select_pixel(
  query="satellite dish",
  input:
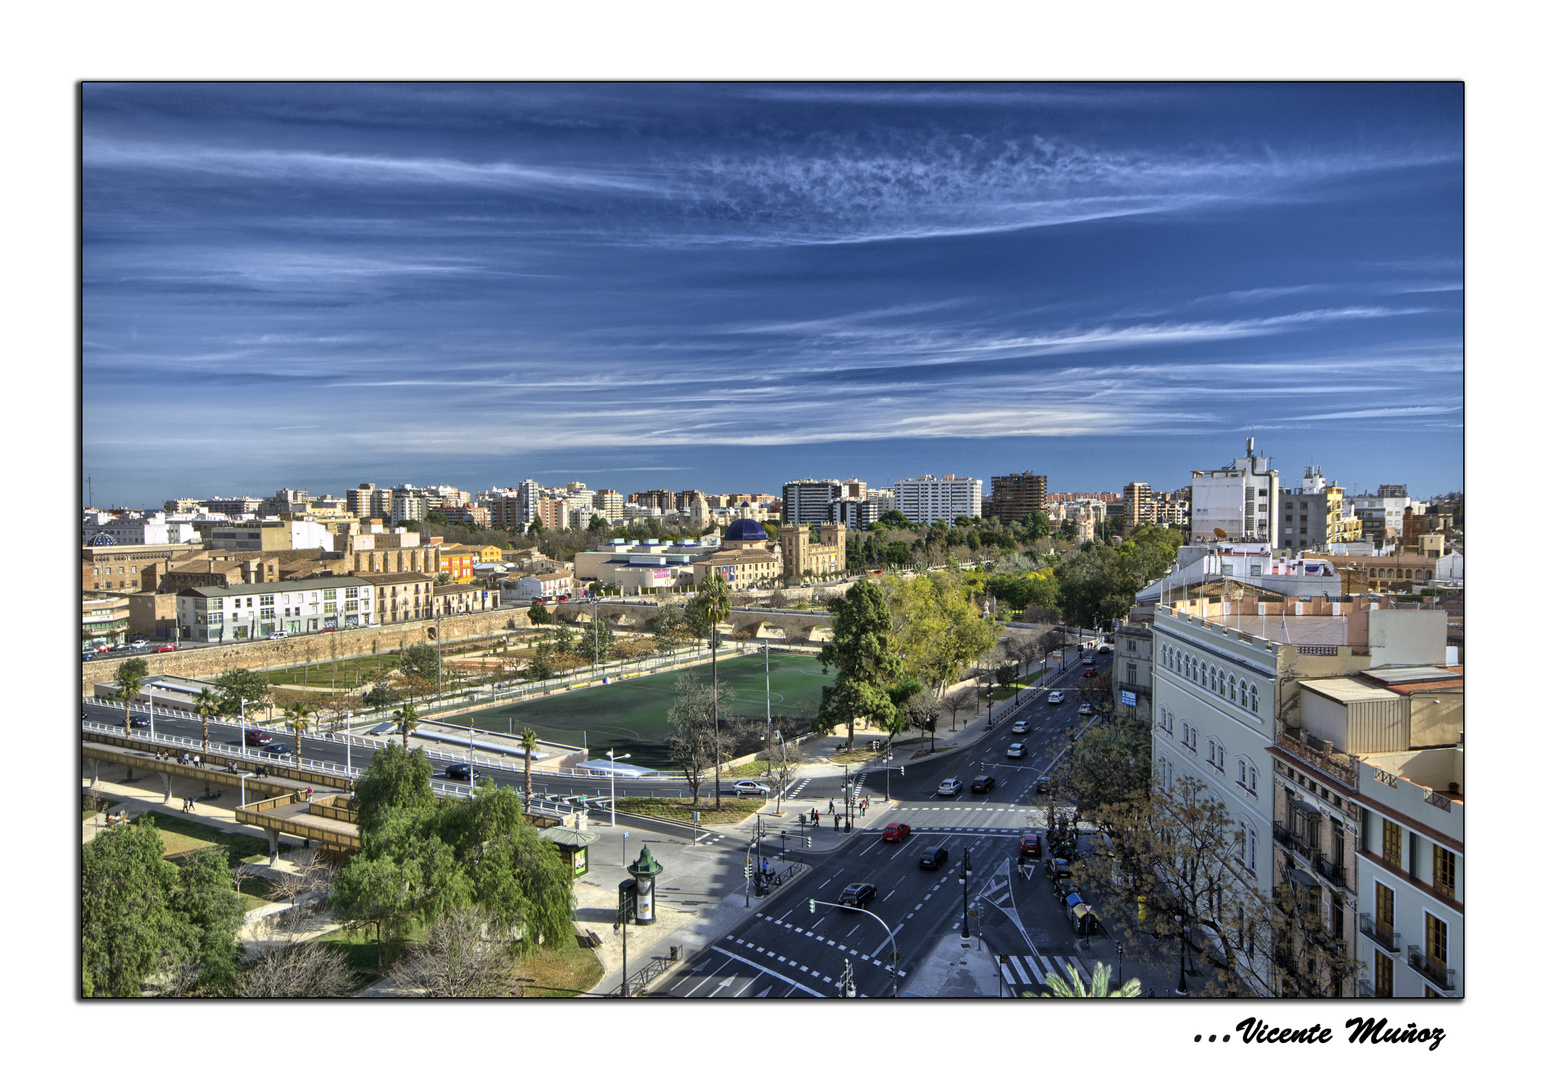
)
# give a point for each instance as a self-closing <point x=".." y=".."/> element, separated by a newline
<point x="1221" y="534"/>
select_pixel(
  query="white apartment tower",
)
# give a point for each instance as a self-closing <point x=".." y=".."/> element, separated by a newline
<point x="1238" y="501"/>
<point x="925" y="498"/>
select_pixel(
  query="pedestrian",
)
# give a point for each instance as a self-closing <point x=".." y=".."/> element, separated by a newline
<point x="308" y="794"/>
<point x="831" y="806"/>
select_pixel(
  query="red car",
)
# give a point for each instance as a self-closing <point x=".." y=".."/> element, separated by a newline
<point x="896" y="831"/>
<point x="165" y="648"/>
<point x="1090" y="673"/>
<point x="1030" y="844"/>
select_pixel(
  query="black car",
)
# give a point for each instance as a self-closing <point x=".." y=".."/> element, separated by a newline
<point x="278" y="749"/>
<point x="139" y="721"/>
<point x="934" y="859"/>
<point x="1057" y="869"/>
<point x="1043" y="784"/>
<point x="983" y="783"/>
<point x="858" y="895"/>
<point x="461" y="770"/>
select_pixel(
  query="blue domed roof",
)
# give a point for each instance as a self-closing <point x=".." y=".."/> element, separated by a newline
<point x="745" y="530"/>
<point x="102" y="539"/>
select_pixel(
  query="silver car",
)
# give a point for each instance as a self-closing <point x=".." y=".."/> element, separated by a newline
<point x="750" y="787"/>
<point x="950" y="787"/>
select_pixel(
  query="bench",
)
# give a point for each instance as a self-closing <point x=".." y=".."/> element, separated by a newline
<point x="590" y="940"/>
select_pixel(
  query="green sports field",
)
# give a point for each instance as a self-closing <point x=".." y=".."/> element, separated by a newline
<point x="630" y="716"/>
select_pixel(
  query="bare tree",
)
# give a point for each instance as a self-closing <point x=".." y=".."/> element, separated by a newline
<point x="308" y="970"/>
<point x="462" y="955"/>
<point x="692" y="738"/>
<point x="957" y="702"/>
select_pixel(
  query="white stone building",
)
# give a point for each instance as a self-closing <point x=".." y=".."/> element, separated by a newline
<point x="1240" y="500"/>
<point x="927" y="498"/>
<point x="248" y="612"/>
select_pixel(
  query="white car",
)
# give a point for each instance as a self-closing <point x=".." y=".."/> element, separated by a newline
<point x="1016" y="749"/>
<point x="1055" y="698"/>
<point x="750" y="787"/>
<point x="1086" y="710"/>
<point x="278" y="634"/>
<point x="1020" y="728"/>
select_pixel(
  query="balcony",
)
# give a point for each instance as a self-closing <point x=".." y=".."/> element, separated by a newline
<point x="1365" y="988"/>
<point x="1337" y="875"/>
<point x="1318" y="754"/>
<point x="1287" y="840"/>
<point x="1383" y="936"/>
<point x="1441" y="978"/>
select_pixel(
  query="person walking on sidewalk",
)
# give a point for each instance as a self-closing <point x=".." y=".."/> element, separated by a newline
<point x="831" y="806"/>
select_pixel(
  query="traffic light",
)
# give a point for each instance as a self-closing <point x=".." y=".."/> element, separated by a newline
<point x="747" y="870"/>
<point x="902" y="769"/>
<point x="807" y="841"/>
<point x="813" y="906"/>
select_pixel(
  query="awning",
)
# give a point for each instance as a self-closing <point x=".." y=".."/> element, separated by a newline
<point x="1300" y="878"/>
<point x="1302" y="808"/>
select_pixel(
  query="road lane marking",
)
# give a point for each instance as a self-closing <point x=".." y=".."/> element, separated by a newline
<point x="852" y="932"/>
<point x="769" y="971"/>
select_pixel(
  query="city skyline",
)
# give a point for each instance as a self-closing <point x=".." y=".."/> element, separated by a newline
<point x="318" y="285"/>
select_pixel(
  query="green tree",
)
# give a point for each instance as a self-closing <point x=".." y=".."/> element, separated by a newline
<point x="298" y="718"/>
<point x="376" y="892"/>
<point x="937" y="629"/>
<point x="128" y="929"/>
<point x="443" y="578"/>
<point x="1105" y="769"/>
<point x="209" y="912"/>
<point x="240" y="685"/>
<point x="865" y="659"/>
<point x="207" y="704"/>
<point x="380" y="695"/>
<point x="421" y="661"/>
<point x="435" y="517"/>
<point x="539" y="615"/>
<point x="670" y="627"/>
<point x="539" y="665"/>
<point x="715" y="598"/>
<point x="131" y="680"/>
<point x="395" y="779"/>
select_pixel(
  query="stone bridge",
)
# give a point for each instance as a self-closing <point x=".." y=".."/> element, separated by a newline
<point x="758" y="624"/>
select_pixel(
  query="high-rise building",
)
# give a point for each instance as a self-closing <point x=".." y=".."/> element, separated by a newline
<point x="927" y="498"/>
<point x="1137" y="505"/>
<point x="806" y="501"/>
<point x="656" y="498"/>
<point x="1013" y="497"/>
<point x="609" y="504"/>
<point x="1237" y="501"/>
<point x="1315" y="514"/>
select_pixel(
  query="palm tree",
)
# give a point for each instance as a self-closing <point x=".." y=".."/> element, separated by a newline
<point x="298" y="718"/>
<point x="129" y="683"/>
<point x="716" y="605"/>
<point x="529" y="745"/>
<point x="1099" y="985"/>
<point x="407" y="718"/>
<point x="208" y="704"/>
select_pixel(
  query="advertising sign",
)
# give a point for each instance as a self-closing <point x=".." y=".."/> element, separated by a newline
<point x="1129" y="698"/>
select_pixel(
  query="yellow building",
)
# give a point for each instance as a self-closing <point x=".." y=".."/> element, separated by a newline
<point x="806" y="556"/>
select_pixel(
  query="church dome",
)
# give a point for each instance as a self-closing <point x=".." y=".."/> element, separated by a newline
<point x="745" y="530"/>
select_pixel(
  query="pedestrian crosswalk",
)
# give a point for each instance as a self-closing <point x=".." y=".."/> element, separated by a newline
<point x="1030" y="972"/>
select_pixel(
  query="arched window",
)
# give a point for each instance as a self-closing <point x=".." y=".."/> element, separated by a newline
<point x="1212" y="747"/>
<point x="1248" y="847"/>
<point x="1253" y="697"/>
<point x="1246" y="775"/>
<point x="1231" y="688"/>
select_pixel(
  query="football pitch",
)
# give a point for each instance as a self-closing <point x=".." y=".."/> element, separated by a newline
<point x="630" y="716"/>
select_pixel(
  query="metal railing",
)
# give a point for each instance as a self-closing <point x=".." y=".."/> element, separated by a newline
<point x="638" y="980"/>
<point x="1424" y="965"/>
<point x="1383" y="936"/>
<point x="1337" y="875"/>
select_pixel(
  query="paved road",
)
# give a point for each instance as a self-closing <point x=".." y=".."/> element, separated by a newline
<point x="786" y="950"/>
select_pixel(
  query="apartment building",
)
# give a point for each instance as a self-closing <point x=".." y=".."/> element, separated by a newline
<point x="462" y="599"/>
<point x="104" y="620"/>
<point x="854" y="513"/>
<point x="221" y="613"/>
<point x="545" y="586"/>
<point x="608" y="503"/>
<point x="1237" y="501"/>
<point x="927" y="498"/>
<point x="246" y="506"/>
<point x="806" y="501"/>
<point x="369" y="501"/>
<point x="1014" y="497"/>
<point x="103" y="528"/>
<point x="468" y="514"/>
<point x="1137" y="505"/>
<point x="1315" y="515"/>
<point x="1132" y="667"/>
<point x="1227" y="677"/>
<point x="1397" y="572"/>
<point x="1173" y="508"/>
<point x="401" y="597"/>
<point x="122" y="567"/>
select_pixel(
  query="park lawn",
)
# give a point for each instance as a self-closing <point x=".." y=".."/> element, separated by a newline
<point x="850" y="757"/>
<point x="565" y="970"/>
<point x="750" y="768"/>
<point x="183" y="836"/>
<point x="359" y="947"/>
<point x="732" y="810"/>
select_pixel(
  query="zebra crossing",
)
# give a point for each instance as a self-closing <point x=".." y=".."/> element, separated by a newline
<point x="1030" y="972"/>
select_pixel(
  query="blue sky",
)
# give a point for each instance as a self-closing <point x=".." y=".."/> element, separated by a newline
<point x="731" y="286"/>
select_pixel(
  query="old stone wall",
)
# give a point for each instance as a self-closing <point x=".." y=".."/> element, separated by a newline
<point x="211" y="660"/>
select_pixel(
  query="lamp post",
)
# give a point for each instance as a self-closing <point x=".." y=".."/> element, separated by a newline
<point x="150" y="705"/>
<point x="1119" y="964"/>
<point x="890" y="937"/>
<point x="767" y="675"/>
<point x="613" y="770"/>
<point x="1181" y="990"/>
<point x="965" y="876"/>
<point x="783" y="755"/>
<point x="888" y="775"/>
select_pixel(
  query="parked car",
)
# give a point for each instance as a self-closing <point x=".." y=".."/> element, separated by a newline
<point x="88" y="656"/>
<point x="1030" y="844"/>
<point x="896" y="831"/>
<point x="1017" y="749"/>
<point x="950" y="787"/>
<point x="1055" y="698"/>
<point x="138" y="643"/>
<point x="750" y="787"/>
<point x="1058" y="869"/>
<point x="1043" y="784"/>
<point x="254" y="737"/>
<point x="328" y="630"/>
<point x="278" y="634"/>
<point x="460" y="770"/>
<point x="278" y="749"/>
<point x="983" y="784"/>
<point x="165" y="648"/>
<point x="1085" y="709"/>
<point x="1020" y="728"/>
<point x="934" y="859"/>
<point x="859" y="894"/>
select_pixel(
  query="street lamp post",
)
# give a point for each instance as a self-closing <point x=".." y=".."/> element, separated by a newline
<point x="965" y="876"/>
<point x="783" y="756"/>
<point x="613" y="771"/>
<point x="888" y="775"/>
<point x="890" y="937"/>
<point x="1181" y="990"/>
